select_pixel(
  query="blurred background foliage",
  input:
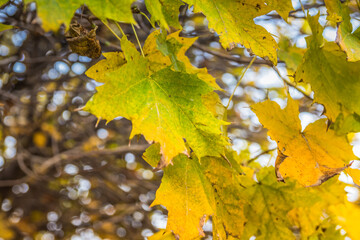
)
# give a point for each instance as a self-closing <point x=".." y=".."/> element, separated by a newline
<point x="63" y="178"/>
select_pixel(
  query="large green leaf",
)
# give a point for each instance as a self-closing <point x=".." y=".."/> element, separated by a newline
<point x="164" y="105"/>
<point x="53" y="13"/>
<point x="334" y="80"/>
<point x="233" y="21"/>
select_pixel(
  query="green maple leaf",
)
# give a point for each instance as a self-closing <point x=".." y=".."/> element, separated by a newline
<point x="334" y="80"/>
<point x="164" y="105"/>
<point x="233" y="21"/>
<point x="53" y="13"/>
<point x="166" y="12"/>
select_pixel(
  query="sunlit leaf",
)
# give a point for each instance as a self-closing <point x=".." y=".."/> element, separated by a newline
<point x="233" y="21"/>
<point x="187" y="195"/>
<point x="311" y="156"/>
<point x="347" y="215"/>
<point x="166" y="12"/>
<point x="164" y="105"/>
<point x="53" y="13"/>
<point x="348" y="40"/>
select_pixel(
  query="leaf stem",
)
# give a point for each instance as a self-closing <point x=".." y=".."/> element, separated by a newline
<point x="112" y="31"/>
<point x="138" y="41"/>
<point x="238" y="83"/>
<point x="291" y="84"/>
<point x="148" y="19"/>
<point x="118" y="26"/>
<point x="302" y="8"/>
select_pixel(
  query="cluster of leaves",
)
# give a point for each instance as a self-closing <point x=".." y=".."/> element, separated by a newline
<point x="174" y="104"/>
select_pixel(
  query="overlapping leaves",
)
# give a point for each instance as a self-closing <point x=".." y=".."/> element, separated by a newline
<point x="164" y="105"/>
<point x="334" y="80"/>
<point x="233" y="21"/>
<point x="239" y="206"/>
<point x="348" y="40"/>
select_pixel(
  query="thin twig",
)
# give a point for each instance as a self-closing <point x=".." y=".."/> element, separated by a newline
<point x="112" y="31"/>
<point x="292" y="85"/>
<point x="120" y="29"/>
<point x="241" y="60"/>
<point x="147" y="18"/>
<point x="138" y="41"/>
<point x="71" y="155"/>
<point x="77" y="153"/>
<point x="23" y="167"/>
<point x="260" y="154"/>
<point x="238" y="83"/>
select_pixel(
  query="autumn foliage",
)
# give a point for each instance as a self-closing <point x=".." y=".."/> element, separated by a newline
<point x="179" y="109"/>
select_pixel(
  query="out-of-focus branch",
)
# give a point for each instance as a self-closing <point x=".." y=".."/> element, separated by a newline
<point x="241" y="60"/>
<point x="70" y="155"/>
<point x="78" y="153"/>
<point x="292" y="85"/>
<point x="260" y="154"/>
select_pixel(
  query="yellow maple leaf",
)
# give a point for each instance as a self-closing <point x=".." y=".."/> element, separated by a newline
<point x="233" y="21"/>
<point x="311" y="156"/>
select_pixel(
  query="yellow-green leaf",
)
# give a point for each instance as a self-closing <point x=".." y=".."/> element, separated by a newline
<point x="334" y="80"/>
<point x="53" y="13"/>
<point x="151" y="50"/>
<point x="166" y="12"/>
<point x="2" y="2"/>
<point x="233" y="21"/>
<point x="165" y="106"/>
<point x="271" y="206"/>
<point x="227" y="185"/>
<point x="216" y="181"/>
<point x="185" y="192"/>
<point x="291" y="55"/>
<point x="311" y="156"/>
<point x="348" y="41"/>
<point x="5" y="27"/>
